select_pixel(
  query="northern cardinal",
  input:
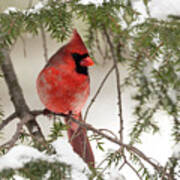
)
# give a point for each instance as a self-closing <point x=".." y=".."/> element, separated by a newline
<point x="63" y="87"/>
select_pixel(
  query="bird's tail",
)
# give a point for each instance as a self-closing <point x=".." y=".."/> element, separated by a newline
<point x="78" y="138"/>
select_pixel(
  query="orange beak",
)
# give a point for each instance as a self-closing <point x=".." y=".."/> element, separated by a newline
<point x="87" y="62"/>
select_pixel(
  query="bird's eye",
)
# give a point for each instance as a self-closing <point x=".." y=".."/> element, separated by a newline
<point x="76" y="56"/>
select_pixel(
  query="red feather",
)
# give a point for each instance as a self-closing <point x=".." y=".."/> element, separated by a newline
<point x="63" y="87"/>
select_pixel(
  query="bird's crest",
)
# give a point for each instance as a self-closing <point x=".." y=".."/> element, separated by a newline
<point x="76" y="45"/>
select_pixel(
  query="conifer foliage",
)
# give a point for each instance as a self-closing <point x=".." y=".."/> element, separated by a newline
<point x="150" y="50"/>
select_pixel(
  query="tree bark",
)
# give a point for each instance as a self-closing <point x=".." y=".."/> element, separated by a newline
<point x="21" y="108"/>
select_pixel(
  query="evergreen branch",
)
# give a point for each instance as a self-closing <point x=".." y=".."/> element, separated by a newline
<point x="108" y="165"/>
<point x="132" y="167"/>
<point x="136" y="172"/>
<point x="114" y="140"/>
<point x="56" y="19"/>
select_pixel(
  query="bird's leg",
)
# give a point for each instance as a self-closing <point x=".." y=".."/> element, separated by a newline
<point x="47" y="112"/>
<point x="75" y="126"/>
<point x="68" y="119"/>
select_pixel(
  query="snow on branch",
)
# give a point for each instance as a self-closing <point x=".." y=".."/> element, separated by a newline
<point x="85" y="2"/>
<point x="158" y="9"/>
<point x="35" y="9"/>
<point x="176" y="151"/>
<point x="10" y="9"/>
<point x="20" y="155"/>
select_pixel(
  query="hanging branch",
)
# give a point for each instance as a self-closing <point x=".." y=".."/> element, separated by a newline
<point x="99" y="132"/>
<point x="44" y="43"/>
<point x="114" y="57"/>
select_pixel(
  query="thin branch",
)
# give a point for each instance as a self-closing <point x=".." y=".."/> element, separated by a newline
<point x="131" y="166"/>
<point x="97" y="92"/>
<point x="123" y="164"/>
<point x="115" y="60"/>
<point x="109" y="131"/>
<point x="24" y="45"/>
<point x="44" y="43"/>
<point x="164" y="172"/>
<point x="44" y="143"/>
<point x="15" y="137"/>
<point x="104" y="169"/>
<point x="136" y="172"/>
<point x="128" y="147"/>
<point x="101" y="163"/>
<point x="97" y="131"/>
<point x="8" y="120"/>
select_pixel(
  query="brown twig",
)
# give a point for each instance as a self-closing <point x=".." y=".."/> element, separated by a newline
<point x="24" y="45"/>
<point x="8" y="120"/>
<point x="104" y="160"/>
<point x="136" y="172"/>
<point x="164" y="172"/>
<point x="115" y="60"/>
<point x="122" y="165"/>
<point x="132" y="167"/>
<point x="44" y="43"/>
<point x="98" y="91"/>
<point x="15" y="137"/>
<point x="106" y="167"/>
<point x="109" y="131"/>
<point x="91" y="128"/>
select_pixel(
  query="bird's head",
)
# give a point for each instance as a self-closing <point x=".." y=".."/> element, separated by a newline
<point x="79" y="53"/>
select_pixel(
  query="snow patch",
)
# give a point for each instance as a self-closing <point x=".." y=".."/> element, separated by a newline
<point x="67" y="155"/>
<point x="17" y="177"/>
<point x="47" y="175"/>
<point x="36" y="8"/>
<point x="96" y="2"/>
<point x="172" y="94"/>
<point x="176" y="151"/>
<point x="161" y="9"/>
<point x="115" y="175"/>
<point x="158" y="9"/>
<point x="19" y="155"/>
<point x="10" y="9"/>
<point x="158" y="62"/>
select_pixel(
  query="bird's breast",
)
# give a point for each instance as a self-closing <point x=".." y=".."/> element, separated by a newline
<point x="62" y="91"/>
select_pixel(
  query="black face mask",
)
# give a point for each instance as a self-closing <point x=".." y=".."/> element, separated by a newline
<point x="78" y="58"/>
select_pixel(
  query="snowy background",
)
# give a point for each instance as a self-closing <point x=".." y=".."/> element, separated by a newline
<point x="104" y="113"/>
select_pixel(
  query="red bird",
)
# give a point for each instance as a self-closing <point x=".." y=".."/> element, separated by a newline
<point x="63" y="87"/>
